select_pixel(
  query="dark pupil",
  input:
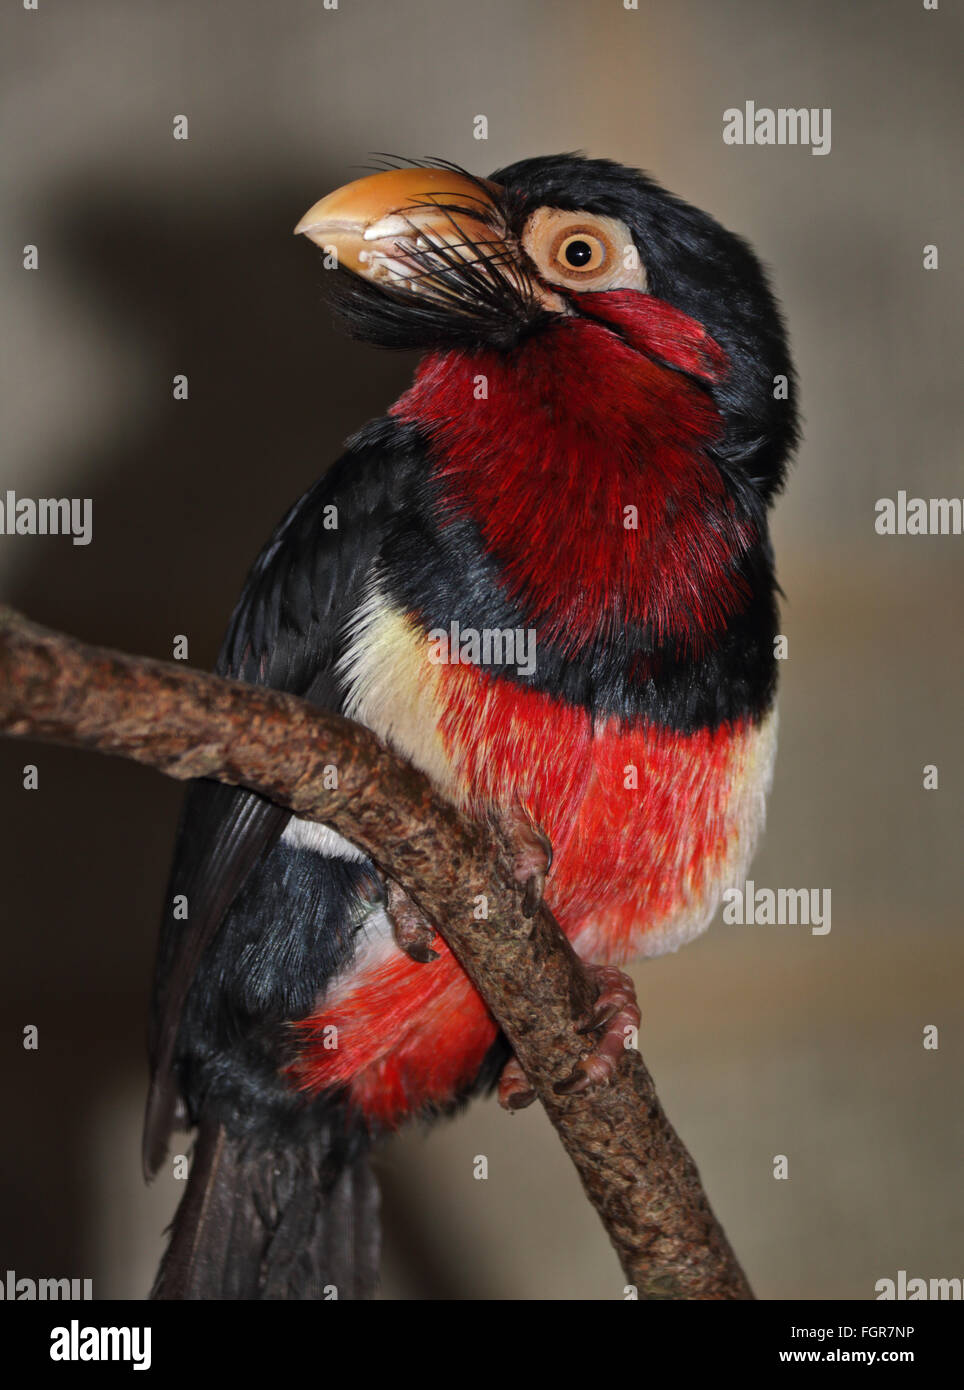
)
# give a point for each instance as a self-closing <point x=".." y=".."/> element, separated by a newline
<point x="578" y="252"/>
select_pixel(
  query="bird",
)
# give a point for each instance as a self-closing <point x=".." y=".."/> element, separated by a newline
<point x="545" y="578"/>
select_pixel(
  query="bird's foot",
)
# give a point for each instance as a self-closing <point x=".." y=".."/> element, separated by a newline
<point x="412" y="930"/>
<point x="616" y="1013"/>
<point x="531" y="855"/>
<point x="515" y="1092"/>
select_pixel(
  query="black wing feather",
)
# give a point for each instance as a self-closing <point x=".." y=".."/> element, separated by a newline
<point x="285" y="632"/>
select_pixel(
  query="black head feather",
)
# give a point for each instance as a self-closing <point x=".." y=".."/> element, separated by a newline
<point x="471" y="296"/>
<point x="709" y="273"/>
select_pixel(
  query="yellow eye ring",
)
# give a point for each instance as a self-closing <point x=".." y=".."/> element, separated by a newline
<point x="579" y="252"/>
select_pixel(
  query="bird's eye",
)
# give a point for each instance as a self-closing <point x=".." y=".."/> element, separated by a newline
<point x="579" y="252"/>
<point x="582" y="251"/>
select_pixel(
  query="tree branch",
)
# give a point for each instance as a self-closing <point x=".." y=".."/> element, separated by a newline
<point x="189" y="724"/>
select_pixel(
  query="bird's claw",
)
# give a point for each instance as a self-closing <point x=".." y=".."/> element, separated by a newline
<point x="616" y="1012"/>
<point x="515" y="1092"/>
<point x="532" y="897"/>
<point x="413" y="932"/>
<point x="531" y="856"/>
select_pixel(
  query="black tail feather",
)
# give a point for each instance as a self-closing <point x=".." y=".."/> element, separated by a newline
<point x="288" y="1223"/>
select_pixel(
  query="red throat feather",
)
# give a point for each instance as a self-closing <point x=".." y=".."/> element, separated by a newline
<point x="583" y="452"/>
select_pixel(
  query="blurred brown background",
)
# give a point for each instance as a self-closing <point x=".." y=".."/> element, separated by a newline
<point x="160" y="256"/>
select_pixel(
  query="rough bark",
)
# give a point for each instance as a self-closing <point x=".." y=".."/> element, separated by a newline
<point x="187" y="724"/>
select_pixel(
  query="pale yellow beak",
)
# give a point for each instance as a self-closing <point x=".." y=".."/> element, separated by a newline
<point x="371" y="224"/>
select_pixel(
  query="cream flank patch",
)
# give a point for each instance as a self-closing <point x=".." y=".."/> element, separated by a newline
<point x="306" y="834"/>
<point x="393" y="688"/>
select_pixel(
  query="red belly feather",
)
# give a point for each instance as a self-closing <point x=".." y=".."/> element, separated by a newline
<point x="629" y="860"/>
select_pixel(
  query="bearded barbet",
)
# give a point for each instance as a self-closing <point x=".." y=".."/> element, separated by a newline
<point x="545" y="578"/>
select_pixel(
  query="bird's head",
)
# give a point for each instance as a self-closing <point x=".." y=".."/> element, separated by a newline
<point x="430" y="256"/>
